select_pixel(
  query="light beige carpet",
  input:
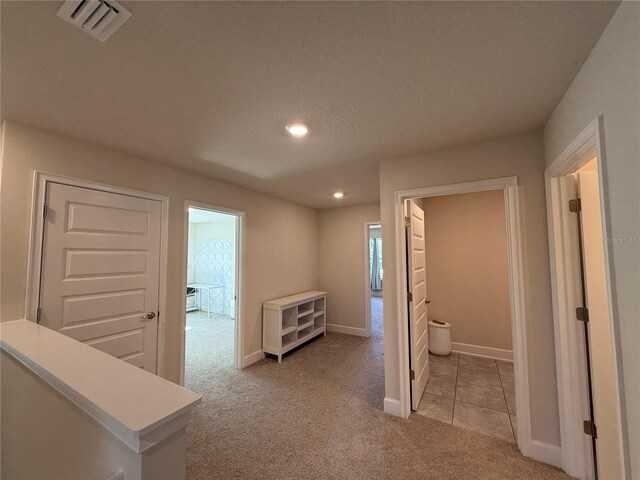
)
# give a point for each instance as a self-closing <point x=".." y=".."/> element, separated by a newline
<point x="319" y="415"/>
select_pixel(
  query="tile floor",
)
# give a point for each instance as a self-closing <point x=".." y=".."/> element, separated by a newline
<point x="471" y="392"/>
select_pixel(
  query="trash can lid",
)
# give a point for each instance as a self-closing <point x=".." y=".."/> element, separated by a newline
<point x="439" y="324"/>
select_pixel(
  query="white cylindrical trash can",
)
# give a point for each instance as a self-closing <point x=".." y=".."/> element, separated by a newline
<point x="439" y="337"/>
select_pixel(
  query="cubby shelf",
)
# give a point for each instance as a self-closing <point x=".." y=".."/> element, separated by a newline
<point x="291" y="321"/>
<point x="305" y="325"/>
<point x="289" y="329"/>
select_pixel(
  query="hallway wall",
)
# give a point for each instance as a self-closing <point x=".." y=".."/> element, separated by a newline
<point x="341" y="264"/>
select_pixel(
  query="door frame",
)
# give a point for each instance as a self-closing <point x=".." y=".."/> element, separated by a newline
<point x="367" y="278"/>
<point x="568" y="346"/>
<point x="36" y="244"/>
<point x="509" y="185"/>
<point x="238" y="347"/>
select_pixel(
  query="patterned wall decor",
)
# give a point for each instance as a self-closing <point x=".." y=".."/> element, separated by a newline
<point x="215" y="266"/>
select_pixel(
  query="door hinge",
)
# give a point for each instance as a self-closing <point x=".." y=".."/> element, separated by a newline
<point x="582" y="314"/>
<point x="407" y="221"/>
<point x="409" y="297"/>
<point x="38" y="314"/>
<point x="575" y="205"/>
<point x="590" y="428"/>
<point x="44" y="210"/>
<point x="412" y="374"/>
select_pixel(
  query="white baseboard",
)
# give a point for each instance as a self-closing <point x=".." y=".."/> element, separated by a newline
<point x="392" y="406"/>
<point x="360" y="332"/>
<point x="252" y="358"/>
<point x="546" y="453"/>
<point x="478" y="351"/>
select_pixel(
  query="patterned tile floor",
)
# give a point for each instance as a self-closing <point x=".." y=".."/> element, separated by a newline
<point x="471" y="392"/>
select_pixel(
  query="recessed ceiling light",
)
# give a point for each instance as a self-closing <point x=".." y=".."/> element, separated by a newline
<point x="338" y="194"/>
<point x="297" y="129"/>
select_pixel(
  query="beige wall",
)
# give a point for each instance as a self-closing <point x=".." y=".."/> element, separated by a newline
<point x="609" y="85"/>
<point x="467" y="267"/>
<point x="341" y="255"/>
<point x="521" y="156"/>
<point x="281" y="237"/>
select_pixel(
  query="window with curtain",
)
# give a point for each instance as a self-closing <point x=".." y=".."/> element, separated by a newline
<point x="375" y="263"/>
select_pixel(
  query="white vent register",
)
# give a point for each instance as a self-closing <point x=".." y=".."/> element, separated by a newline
<point x="98" y="18"/>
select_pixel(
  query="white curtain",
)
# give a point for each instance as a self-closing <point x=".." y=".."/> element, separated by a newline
<point x="376" y="281"/>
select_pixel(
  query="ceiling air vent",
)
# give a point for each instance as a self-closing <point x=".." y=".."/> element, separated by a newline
<point x="96" y="17"/>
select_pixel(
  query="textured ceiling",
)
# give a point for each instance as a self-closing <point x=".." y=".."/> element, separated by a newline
<point x="209" y="86"/>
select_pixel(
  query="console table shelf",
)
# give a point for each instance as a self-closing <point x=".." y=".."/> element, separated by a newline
<point x="291" y="321"/>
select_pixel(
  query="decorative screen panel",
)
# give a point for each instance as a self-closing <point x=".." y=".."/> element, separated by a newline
<point x="215" y="265"/>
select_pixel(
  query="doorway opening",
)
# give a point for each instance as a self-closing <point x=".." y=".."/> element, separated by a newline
<point x="413" y="331"/>
<point x="211" y="292"/>
<point x="584" y="320"/>
<point x="374" y="276"/>
<point x="460" y="311"/>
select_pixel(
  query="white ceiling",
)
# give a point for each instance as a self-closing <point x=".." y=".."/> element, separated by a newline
<point x="209" y="86"/>
<point x="197" y="215"/>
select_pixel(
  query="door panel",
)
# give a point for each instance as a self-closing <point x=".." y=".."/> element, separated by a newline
<point x="603" y="374"/>
<point x="91" y="263"/>
<point x="100" y="272"/>
<point x="418" y="331"/>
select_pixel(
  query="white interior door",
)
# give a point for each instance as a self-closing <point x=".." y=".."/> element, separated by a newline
<point x="605" y="397"/>
<point x="417" y="305"/>
<point x="572" y="242"/>
<point x="100" y="271"/>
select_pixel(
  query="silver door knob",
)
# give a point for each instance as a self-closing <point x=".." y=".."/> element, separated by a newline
<point x="149" y="316"/>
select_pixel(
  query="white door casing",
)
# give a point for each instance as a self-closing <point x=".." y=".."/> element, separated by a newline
<point x="100" y="270"/>
<point x="605" y="393"/>
<point x="570" y="347"/>
<point x="418" y="329"/>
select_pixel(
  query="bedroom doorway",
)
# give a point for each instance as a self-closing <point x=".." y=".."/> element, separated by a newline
<point x="373" y="278"/>
<point x="211" y="293"/>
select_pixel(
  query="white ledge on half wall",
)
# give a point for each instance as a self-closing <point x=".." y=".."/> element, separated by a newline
<point x="139" y="408"/>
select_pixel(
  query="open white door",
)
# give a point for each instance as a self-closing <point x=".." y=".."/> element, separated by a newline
<point x="417" y="303"/>
<point x="100" y="271"/>
<point x="574" y="296"/>
<point x="603" y="374"/>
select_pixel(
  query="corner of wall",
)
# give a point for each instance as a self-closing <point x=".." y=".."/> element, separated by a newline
<point x="392" y="407"/>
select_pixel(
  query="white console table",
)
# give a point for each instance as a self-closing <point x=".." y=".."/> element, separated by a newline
<point x="291" y="321"/>
<point x="205" y="287"/>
